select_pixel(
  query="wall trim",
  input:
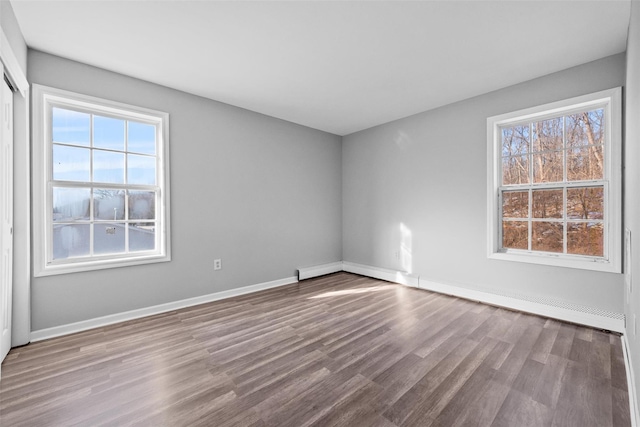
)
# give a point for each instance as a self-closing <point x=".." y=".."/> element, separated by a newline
<point x="14" y="71"/>
<point x="600" y="319"/>
<point x="546" y="307"/>
<point x="319" y="270"/>
<point x="402" y="277"/>
<point x="21" y="320"/>
<point x="56" y="331"/>
<point x="631" y="383"/>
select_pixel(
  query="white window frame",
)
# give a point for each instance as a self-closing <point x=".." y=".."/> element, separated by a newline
<point x="611" y="101"/>
<point x="44" y="98"/>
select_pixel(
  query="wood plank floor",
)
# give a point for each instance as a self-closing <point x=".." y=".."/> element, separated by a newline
<point x="339" y="350"/>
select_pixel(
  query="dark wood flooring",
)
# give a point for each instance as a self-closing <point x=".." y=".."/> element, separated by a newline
<point x="336" y="350"/>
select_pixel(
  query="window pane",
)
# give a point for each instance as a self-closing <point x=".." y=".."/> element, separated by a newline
<point x="108" y="167"/>
<point x="142" y="205"/>
<point x="108" y="238"/>
<point x="71" y="204"/>
<point x="547" y="135"/>
<point x="142" y="236"/>
<point x="515" y="235"/>
<point x="585" y="163"/>
<point x="142" y="138"/>
<point x="585" y="128"/>
<point x="515" y="204"/>
<point x="585" y="238"/>
<point x="141" y="169"/>
<point x="547" y="204"/>
<point x="515" y="140"/>
<point x="71" y="163"/>
<point x="585" y="203"/>
<point x="515" y="170"/>
<point x="547" y="167"/>
<point x="108" y="133"/>
<point x="70" y="240"/>
<point x="546" y="236"/>
<point x="70" y="127"/>
<point x="108" y="204"/>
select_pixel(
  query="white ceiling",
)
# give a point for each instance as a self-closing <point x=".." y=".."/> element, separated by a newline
<point x="337" y="66"/>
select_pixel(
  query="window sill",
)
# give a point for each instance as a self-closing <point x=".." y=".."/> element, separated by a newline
<point x="91" y="265"/>
<point x="593" y="264"/>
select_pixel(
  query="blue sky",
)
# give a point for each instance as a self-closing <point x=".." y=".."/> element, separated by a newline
<point x="72" y="163"/>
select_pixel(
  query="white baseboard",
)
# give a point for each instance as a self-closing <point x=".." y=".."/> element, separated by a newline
<point x="97" y="322"/>
<point x="631" y="383"/>
<point x="547" y="307"/>
<point x="544" y="307"/>
<point x="319" y="270"/>
<point x="401" y="277"/>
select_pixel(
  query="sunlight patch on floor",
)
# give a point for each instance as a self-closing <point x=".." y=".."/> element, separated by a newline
<point x="353" y="291"/>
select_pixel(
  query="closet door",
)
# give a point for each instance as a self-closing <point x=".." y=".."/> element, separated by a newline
<point x="6" y="218"/>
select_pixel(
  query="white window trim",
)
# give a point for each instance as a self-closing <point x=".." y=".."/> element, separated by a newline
<point x="611" y="99"/>
<point x="42" y="218"/>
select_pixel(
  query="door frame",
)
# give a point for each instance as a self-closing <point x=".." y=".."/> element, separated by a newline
<point x="6" y="228"/>
<point x="21" y="319"/>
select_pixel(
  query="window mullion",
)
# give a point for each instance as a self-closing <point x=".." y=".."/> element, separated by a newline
<point x="126" y="221"/>
<point x="530" y="153"/>
<point x="606" y="220"/>
<point x="91" y="194"/>
<point x="109" y="185"/>
<point x="530" y="191"/>
<point x="564" y="188"/>
<point x="530" y="220"/>
<point x="564" y="220"/>
<point x="126" y="181"/>
<point x="126" y="151"/>
<point x="91" y="225"/>
<point x="551" y="185"/>
<point x="564" y="149"/>
<point x="500" y="220"/>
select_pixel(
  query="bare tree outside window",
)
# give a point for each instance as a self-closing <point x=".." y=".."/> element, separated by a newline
<point x="552" y="189"/>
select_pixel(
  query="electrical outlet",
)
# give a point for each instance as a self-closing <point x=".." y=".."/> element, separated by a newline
<point x="397" y="254"/>
<point x="217" y="264"/>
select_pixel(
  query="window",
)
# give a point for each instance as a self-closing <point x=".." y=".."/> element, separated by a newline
<point x="100" y="184"/>
<point x="554" y="187"/>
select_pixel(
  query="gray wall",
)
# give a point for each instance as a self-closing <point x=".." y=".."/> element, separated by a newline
<point x="262" y="194"/>
<point x="418" y="186"/>
<point x="11" y="29"/>
<point x="632" y="182"/>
